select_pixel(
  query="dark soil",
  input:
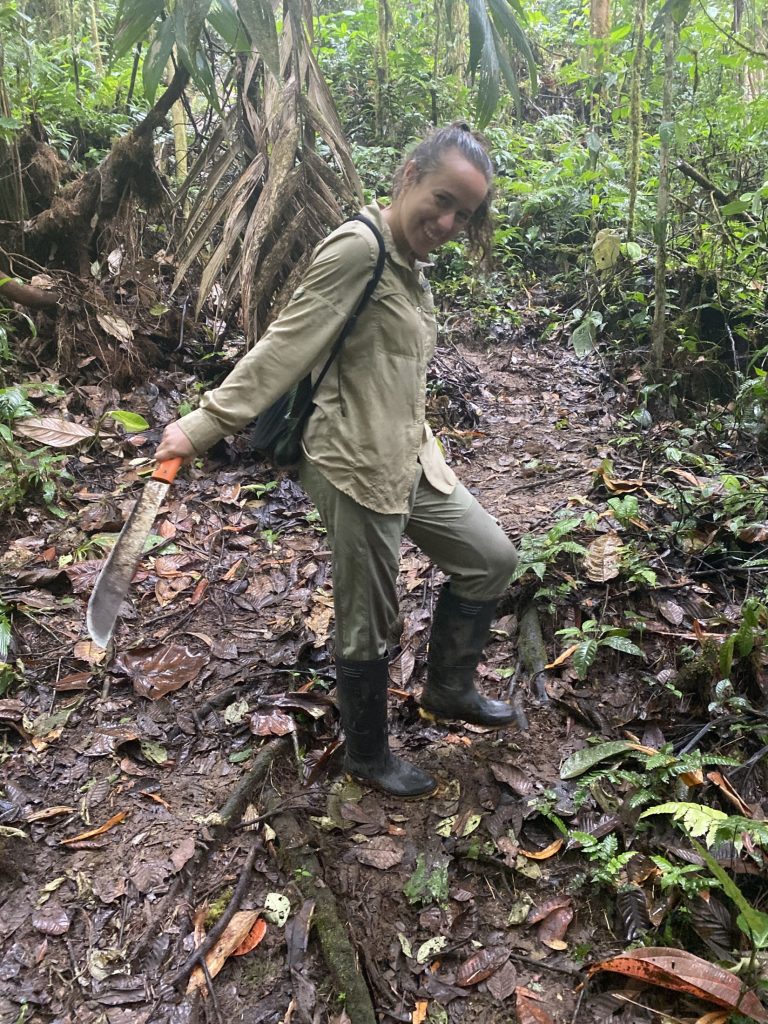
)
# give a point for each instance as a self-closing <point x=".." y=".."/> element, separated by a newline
<point x="224" y="646"/>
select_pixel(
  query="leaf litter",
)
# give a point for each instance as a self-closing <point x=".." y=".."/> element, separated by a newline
<point x="469" y="900"/>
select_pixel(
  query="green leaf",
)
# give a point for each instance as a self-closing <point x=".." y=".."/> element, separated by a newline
<point x="134" y="20"/>
<point x="156" y="58"/>
<point x="583" y="760"/>
<point x="696" y="819"/>
<point x="224" y="19"/>
<point x="584" y="337"/>
<point x="632" y="251"/>
<point x="623" y="644"/>
<point x="737" y="206"/>
<point x="5" y="636"/>
<point x="130" y="421"/>
<point x="508" y="25"/>
<point x="259" y="21"/>
<point x="153" y="752"/>
<point x="429" y="950"/>
<point x="594" y="145"/>
<point x="483" y="61"/>
<point x="752" y="922"/>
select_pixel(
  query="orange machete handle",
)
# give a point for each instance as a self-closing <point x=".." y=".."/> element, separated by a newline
<point x="166" y="471"/>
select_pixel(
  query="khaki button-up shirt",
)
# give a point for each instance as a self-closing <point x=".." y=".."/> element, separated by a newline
<point x="368" y="430"/>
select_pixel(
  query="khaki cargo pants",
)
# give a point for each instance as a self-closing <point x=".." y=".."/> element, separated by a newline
<point x="453" y="529"/>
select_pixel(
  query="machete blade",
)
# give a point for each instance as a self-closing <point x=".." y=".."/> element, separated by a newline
<point x="115" y="578"/>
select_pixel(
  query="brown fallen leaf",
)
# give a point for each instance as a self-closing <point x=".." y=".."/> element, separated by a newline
<point x="538" y="913"/>
<point x="730" y="793"/>
<point x="91" y="833"/>
<point x="53" y="431"/>
<point x="519" y="782"/>
<point x="86" y="650"/>
<point x="529" y="1008"/>
<point x="481" y="966"/>
<point x="564" y="656"/>
<point x="381" y="852"/>
<point x="502" y="984"/>
<point x="231" y="938"/>
<point x="552" y="929"/>
<point x="681" y="971"/>
<point x="546" y="853"/>
<point x="49" y="812"/>
<point x="275" y="723"/>
<point x="52" y="919"/>
<point x="253" y="938"/>
<point x="420" y="1010"/>
<point x="157" y="671"/>
<point x="602" y="561"/>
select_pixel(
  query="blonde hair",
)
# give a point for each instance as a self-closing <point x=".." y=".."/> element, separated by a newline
<point x="427" y="155"/>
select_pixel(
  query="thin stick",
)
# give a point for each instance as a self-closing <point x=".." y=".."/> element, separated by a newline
<point x="216" y="932"/>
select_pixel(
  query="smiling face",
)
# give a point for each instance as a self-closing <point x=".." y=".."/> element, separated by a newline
<point x="433" y="209"/>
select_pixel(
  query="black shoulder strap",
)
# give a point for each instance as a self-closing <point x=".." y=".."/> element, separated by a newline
<point x="369" y="289"/>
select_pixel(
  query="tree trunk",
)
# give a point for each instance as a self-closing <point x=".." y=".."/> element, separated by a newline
<point x="600" y="18"/>
<point x="87" y="203"/>
<point x="635" y="115"/>
<point x="658" y="332"/>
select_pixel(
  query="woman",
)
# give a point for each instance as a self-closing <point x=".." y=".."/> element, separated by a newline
<point x="370" y="462"/>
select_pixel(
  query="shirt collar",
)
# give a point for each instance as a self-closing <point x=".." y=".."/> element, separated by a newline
<point x="374" y="212"/>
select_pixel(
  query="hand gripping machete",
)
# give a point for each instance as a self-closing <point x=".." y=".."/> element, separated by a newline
<point x="115" y="578"/>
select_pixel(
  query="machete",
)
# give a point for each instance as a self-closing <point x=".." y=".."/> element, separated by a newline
<point x="115" y="578"/>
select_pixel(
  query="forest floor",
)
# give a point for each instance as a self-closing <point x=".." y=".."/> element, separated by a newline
<point x="197" y="765"/>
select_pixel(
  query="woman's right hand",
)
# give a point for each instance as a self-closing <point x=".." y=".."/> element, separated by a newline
<point x="174" y="444"/>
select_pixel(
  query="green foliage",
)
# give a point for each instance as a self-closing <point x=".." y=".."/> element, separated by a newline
<point x="495" y="32"/>
<point x="685" y="879"/>
<point x="25" y="474"/>
<point x="131" y="422"/>
<point x="716" y="827"/>
<point x="607" y="864"/>
<point x="538" y="553"/>
<point x="5" y="630"/>
<point x="427" y="884"/>
<point x="590" y="637"/>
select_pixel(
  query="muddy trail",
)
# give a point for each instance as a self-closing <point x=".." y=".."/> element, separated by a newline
<point x="188" y="784"/>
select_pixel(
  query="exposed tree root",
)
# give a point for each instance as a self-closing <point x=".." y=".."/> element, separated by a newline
<point x="533" y="652"/>
<point x="26" y="294"/>
<point x="338" y="952"/>
<point x="70" y="223"/>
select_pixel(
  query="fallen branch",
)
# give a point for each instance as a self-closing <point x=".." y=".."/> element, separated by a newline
<point x="217" y="930"/>
<point x="228" y="818"/>
<point x="337" y="950"/>
<point x="26" y="294"/>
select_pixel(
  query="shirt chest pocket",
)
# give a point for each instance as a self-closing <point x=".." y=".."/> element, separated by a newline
<point x="398" y="323"/>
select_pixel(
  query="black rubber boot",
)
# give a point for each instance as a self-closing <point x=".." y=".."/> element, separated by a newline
<point x="362" y="692"/>
<point x="459" y="632"/>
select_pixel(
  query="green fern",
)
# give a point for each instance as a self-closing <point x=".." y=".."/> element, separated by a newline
<point x="696" y="819"/>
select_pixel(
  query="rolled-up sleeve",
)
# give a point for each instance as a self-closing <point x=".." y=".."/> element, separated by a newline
<point x="300" y="338"/>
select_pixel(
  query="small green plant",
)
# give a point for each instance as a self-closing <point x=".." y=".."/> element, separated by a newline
<point x="539" y="553"/>
<point x="607" y="864"/>
<point x="590" y="637"/>
<point x="428" y="883"/>
<point x="683" y="878"/>
<point x="23" y="472"/>
<point x="625" y="509"/>
<point x="259" y="489"/>
<point x="715" y="827"/>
